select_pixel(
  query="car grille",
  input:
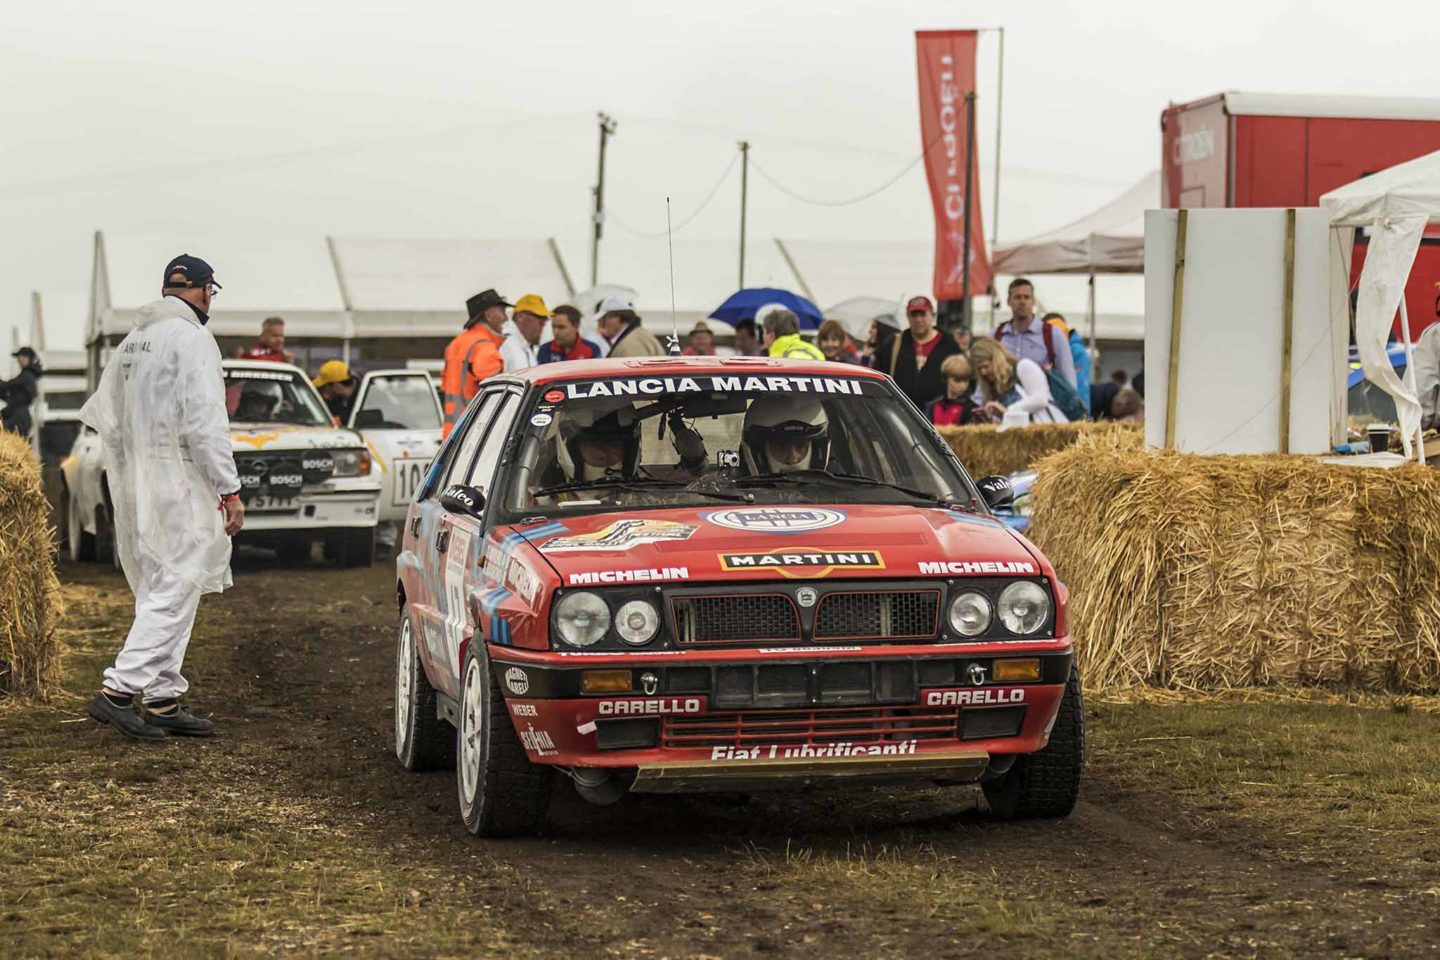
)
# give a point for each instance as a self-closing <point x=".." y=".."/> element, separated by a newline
<point x="857" y="725"/>
<point x="767" y="617"/>
<point x="876" y="615"/>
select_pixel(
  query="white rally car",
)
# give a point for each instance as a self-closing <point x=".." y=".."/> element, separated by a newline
<point x="398" y="414"/>
<point x="302" y="478"/>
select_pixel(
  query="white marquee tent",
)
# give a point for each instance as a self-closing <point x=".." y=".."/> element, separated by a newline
<point x="1109" y="240"/>
<point x="1396" y="205"/>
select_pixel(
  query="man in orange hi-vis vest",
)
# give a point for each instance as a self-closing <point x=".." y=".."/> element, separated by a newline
<point x="474" y="355"/>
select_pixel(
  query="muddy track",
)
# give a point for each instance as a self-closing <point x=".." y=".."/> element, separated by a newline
<point x="306" y="690"/>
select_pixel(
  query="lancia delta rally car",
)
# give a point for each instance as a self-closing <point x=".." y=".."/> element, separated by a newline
<point x="664" y="575"/>
<point x="302" y="478"/>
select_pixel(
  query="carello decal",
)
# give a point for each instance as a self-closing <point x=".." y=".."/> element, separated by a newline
<point x="657" y="386"/>
<point x="974" y="697"/>
<point x="636" y="708"/>
<point x="802" y="563"/>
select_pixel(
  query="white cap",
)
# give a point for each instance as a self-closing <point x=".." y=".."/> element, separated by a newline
<point x="613" y="303"/>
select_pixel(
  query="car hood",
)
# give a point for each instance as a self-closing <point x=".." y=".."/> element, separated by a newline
<point x="284" y="437"/>
<point x="774" y="542"/>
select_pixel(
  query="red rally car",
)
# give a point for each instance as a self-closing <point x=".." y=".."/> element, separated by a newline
<point x="665" y="575"/>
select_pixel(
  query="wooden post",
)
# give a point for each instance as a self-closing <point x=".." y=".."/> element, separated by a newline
<point x="1287" y="330"/>
<point x="1178" y="294"/>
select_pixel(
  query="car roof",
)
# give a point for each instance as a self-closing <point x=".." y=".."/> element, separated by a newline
<point x="685" y="366"/>
<point x="262" y="365"/>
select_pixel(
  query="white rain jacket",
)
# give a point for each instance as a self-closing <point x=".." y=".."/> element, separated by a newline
<point x="160" y="412"/>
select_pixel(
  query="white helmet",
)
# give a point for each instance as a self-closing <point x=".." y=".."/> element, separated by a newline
<point x="793" y="419"/>
<point x="613" y="422"/>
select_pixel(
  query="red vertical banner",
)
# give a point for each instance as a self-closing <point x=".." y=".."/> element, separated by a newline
<point x="945" y="60"/>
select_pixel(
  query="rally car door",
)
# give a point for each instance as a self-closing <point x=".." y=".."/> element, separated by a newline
<point x="398" y="414"/>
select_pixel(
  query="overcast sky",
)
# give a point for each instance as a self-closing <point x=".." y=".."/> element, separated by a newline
<point x="428" y="119"/>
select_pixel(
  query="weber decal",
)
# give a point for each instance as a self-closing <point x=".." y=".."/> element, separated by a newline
<point x="943" y="567"/>
<point x="656" y="386"/>
<point x="972" y="697"/>
<point x="803" y="564"/>
<point x="654" y="575"/>
<point x="524" y="710"/>
<point x="622" y="535"/>
<point x="649" y="708"/>
<point x="805" y="751"/>
<point x="776" y="519"/>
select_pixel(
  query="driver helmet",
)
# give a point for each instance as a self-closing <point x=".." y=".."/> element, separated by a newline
<point x="610" y="430"/>
<point x="778" y="429"/>
<point x="258" y="401"/>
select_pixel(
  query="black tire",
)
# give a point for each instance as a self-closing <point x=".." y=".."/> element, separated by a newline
<point x="293" y="551"/>
<point x="507" y="795"/>
<point x="1046" y="783"/>
<point x="105" y="551"/>
<point x="351" y="548"/>
<point x="79" y="545"/>
<point x="423" y="741"/>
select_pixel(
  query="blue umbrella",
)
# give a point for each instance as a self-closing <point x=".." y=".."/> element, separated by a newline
<point x="742" y="304"/>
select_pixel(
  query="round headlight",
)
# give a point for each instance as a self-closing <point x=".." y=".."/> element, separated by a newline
<point x="582" y="618"/>
<point x="1024" y="607"/>
<point x="970" y="614"/>
<point x="636" y="622"/>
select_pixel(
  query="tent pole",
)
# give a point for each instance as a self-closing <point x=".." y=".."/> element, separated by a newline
<point x="1177" y="294"/>
<point x="744" y="203"/>
<point x="1410" y="374"/>
<point x="1092" y="314"/>
<point x="995" y="205"/>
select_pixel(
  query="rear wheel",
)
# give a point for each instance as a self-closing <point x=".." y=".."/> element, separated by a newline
<point x="501" y="792"/>
<point x="1046" y="783"/>
<point x="79" y="545"/>
<point x="422" y="740"/>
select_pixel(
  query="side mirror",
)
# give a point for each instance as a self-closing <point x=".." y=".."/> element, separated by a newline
<point x="998" y="492"/>
<point x="367" y="419"/>
<point x="462" y="499"/>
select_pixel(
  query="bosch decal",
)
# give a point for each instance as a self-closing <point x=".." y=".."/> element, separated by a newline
<point x="943" y="567"/>
<point x="991" y="697"/>
<point x="803" y="564"/>
<point x="776" y="519"/>
<point x="622" y="534"/>
<point x="587" y="577"/>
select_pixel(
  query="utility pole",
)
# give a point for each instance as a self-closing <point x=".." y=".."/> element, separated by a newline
<point x="969" y="201"/>
<point x="607" y="130"/>
<point x="744" y="202"/>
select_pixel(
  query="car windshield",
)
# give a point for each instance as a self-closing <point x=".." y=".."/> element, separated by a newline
<point x="253" y="395"/>
<point x="637" y="442"/>
<point x="398" y="403"/>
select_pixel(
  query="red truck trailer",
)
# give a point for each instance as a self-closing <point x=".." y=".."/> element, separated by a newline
<point x="1286" y="150"/>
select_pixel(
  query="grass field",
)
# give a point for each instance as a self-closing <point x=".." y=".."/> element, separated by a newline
<point x="1260" y="826"/>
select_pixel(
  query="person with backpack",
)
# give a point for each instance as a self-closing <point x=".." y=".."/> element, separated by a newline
<point x="1015" y="390"/>
<point x="915" y="357"/>
<point x="1024" y="335"/>
<point x="1079" y="353"/>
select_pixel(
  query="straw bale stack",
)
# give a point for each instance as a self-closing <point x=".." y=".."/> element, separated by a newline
<point x="30" y="606"/>
<point x="986" y="451"/>
<point x="1208" y="572"/>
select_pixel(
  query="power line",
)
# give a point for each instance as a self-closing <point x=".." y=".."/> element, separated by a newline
<point x="814" y="201"/>
<point x="693" y="214"/>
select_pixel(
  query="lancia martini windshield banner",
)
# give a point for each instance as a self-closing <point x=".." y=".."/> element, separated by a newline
<point x="740" y="383"/>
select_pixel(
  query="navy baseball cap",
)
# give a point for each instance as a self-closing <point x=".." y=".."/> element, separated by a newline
<point x="188" y="271"/>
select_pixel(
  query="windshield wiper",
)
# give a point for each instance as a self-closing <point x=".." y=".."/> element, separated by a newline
<point x="810" y="476"/>
<point x="639" y="483"/>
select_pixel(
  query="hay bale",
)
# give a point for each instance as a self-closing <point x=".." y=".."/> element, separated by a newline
<point x="30" y="605"/>
<point x="986" y="451"/>
<point x="1207" y="572"/>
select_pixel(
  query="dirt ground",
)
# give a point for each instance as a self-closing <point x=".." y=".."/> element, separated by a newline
<point x="1259" y="826"/>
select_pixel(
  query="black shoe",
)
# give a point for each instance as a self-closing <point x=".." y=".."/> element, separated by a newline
<point x="180" y="723"/>
<point x="126" y="719"/>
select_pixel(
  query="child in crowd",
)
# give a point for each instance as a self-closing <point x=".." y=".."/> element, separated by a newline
<point x="957" y="406"/>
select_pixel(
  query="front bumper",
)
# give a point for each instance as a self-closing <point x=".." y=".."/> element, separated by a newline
<point x="747" y="719"/>
<point x="318" y="511"/>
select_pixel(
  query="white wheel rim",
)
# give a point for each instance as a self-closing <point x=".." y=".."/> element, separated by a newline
<point x="471" y="727"/>
<point x="404" y="664"/>
<point x="73" y="529"/>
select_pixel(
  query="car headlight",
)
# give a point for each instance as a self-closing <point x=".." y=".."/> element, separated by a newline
<point x="352" y="463"/>
<point x="970" y="614"/>
<point x="582" y="618"/>
<point x="637" y="622"/>
<point x="1024" y="607"/>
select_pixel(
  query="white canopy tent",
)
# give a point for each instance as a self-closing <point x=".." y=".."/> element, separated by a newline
<point x="1396" y="205"/>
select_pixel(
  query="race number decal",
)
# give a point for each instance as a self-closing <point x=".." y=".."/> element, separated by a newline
<point x="456" y="555"/>
<point x="409" y="475"/>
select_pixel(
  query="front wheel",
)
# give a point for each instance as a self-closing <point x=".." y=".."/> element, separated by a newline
<point x="1046" y="783"/>
<point x="501" y="792"/>
<point x="423" y="741"/>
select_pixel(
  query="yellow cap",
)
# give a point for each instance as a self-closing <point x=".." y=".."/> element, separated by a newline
<point x="331" y="371"/>
<point x="531" y="303"/>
